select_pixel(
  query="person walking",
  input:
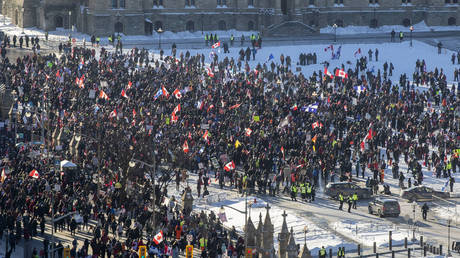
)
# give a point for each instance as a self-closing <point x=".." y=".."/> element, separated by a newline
<point x="425" y="209"/>
<point x="341" y="201"/>
<point x="322" y="252"/>
<point x="350" y="202"/>
<point x="355" y="200"/>
<point x="294" y="192"/>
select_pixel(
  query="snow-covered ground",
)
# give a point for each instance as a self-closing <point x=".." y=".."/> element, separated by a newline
<point x="368" y="233"/>
<point x="387" y="29"/>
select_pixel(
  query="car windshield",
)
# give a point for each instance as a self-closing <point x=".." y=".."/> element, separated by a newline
<point x="390" y="205"/>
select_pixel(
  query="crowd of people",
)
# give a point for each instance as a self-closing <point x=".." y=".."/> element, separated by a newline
<point x="261" y="127"/>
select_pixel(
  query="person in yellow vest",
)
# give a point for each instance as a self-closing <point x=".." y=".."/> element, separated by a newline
<point x="355" y="199"/>
<point x="231" y="40"/>
<point x="341" y="252"/>
<point x="341" y="201"/>
<point x="293" y="192"/>
<point x="245" y="184"/>
<point x="322" y="252"/>
<point x="350" y="201"/>
<point x="309" y="192"/>
<point x="303" y="191"/>
<point x="203" y="243"/>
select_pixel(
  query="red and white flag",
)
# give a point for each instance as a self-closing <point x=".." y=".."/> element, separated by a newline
<point x="176" y="109"/>
<point x="358" y="52"/>
<point x="341" y="73"/>
<point x="34" y="173"/>
<point x="3" y="175"/>
<point x="158" y="238"/>
<point x="317" y="124"/>
<point x="165" y="92"/>
<point x="123" y="94"/>
<point x="210" y="107"/>
<point x="113" y="113"/>
<point x="210" y="73"/>
<point x="235" y="106"/>
<point x="134" y="113"/>
<point x="229" y="166"/>
<point x="185" y="147"/>
<point x="177" y="94"/>
<point x="80" y="82"/>
<point x="205" y="136"/>
<point x="102" y="95"/>
<point x="130" y="84"/>
<point x="248" y="131"/>
<point x="216" y="45"/>
<point x="327" y="73"/>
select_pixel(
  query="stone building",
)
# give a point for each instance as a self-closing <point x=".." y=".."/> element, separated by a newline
<point x="272" y="17"/>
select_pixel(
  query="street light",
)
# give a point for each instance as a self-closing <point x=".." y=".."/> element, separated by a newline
<point x="159" y="31"/>
<point x="305" y="229"/>
<point x="411" y="29"/>
<point x="70" y="15"/>
<point x="448" y="237"/>
<point x="245" y="219"/>
<point x="335" y="32"/>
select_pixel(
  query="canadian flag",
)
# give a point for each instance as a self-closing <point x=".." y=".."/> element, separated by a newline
<point x="216" y="45"/>
<point x="358" y="52"/>
<point x="174" y="118"/>
<point x="176" y="109"/>
<point x="158" y="238"/>
<point x="326" y="72"/>
<point x="80" y="82"/>
<point x="317" y="124"/>
<point x="113" y="113"/>
<point x="205" y="136"/>
<point x="34" y="173"/>
<point x="185" y="147"/>
<point x="102" y="95"/>
<point x="229" y="166"/>
<point x="369" y="136"/>
<point x="123" y="94"/>
<point x="341" y="73"/>
<point x="165" y="92"/>
<point x="168" y="251"/>
<point x="177" y="94"/>
<point x="248" y="131"/>
<point x="130" y="84"/>
<point x="134" y="113"/>
<point x="210" y="107"/>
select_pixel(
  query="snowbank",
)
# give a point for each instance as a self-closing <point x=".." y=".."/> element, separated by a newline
<point x="386" y="29"/>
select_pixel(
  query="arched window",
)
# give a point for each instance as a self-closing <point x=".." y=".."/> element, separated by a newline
<point x="58" y="22"/>
<point x="122" y="4"/>
<point x="222" y="25"/>
<point x="250" y="25"/>
<point x="374" y="23"/>
<point x="190" y="26"/>
<point x="339" y="23"/>
<point x="406" y="22"/>
<point x="452" y="21"/>
<point x="114" y="3"/>
<point x="119" y="27"/>
<point x="312" y="23"/>
<point x="158" y="24"/>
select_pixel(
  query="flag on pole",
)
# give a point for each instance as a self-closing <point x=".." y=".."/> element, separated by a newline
<point x="102" y="95"/>
<point x="216" y="45"/>
<point x="123" y="94"/>
<point x="360" y="89"/>
<point x="113" y="113"/>
<point x="158" y="238"/>
<point x="327" y="73"/>
<point x="234" y="106"/>
<point x="158" y="94"/>
<point x="210" y="73"/>
<point x="177" y="94"/>
<point x="185" y="147"/>
<point x="130" y="84"/>
<point x="271" y="57"/>
<point x="316" y="124"/>
<point x="341" y="73"/>
<point x="312" y="108"/>
<point x="205" y="136"/>
<point x="358" y="52"/>
<point x="229" y="166"/>
<point x="165" y="92"/>
<point x="282" y="151"/>
<point x="34" y="174"/>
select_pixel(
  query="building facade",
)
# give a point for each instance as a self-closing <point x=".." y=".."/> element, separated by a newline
<point x="143" y="17"/>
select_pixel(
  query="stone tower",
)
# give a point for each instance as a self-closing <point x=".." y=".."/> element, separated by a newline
<point x="283" y="237"/>
<point x="305" y="253"/>
<point x="267" y="237"/>
<point x="259" y="234"/>
<point x="250" y="234"/>
<point x="292" y="247"/>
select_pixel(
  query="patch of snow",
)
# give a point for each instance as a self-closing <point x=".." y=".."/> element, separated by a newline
<point x="386" y="29"/>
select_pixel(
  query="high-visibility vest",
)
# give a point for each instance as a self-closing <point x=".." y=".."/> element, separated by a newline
<point x="294" y="189"/>
<point x="322" y="251"/>
<point x="309" y="189"/>
<point x="341" y="197"/>
<point x="355" y="197"/>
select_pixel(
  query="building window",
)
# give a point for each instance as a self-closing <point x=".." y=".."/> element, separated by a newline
<point x="122" y="4"/>
<point x="311" y="2"/>
<point x="406" y="1"/>
<point x="221" y="2"/>
<point x="406" y="22"/>
<point x="222" y="25"/>
<point x="58" y="22"/>
<point x="339" y="23"/>
<point x="158" y="24"/>
<point x="114" y="3"/>
<point x="250" y="25"/>
<point x="451" y="1"/>
<point x="338" y="1"/>
<point x="373" y="1"/>
<point x="190" y="26"/>
<point x="251" y="3"/>
<point x="374" y="23"/>
<point x="118" y="27"/>
<point x="452" y="21"/>
<point x="189" y="2"/>
<point x="157" y="3"/>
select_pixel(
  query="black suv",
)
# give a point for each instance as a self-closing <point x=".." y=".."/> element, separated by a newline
<point x="384" y="207"/>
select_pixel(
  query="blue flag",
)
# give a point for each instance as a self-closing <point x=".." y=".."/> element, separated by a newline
<point x="158" y="94"/>
<point x="271" y="57"/>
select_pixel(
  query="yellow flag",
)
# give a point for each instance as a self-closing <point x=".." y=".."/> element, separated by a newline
<point x="256" y="118"/>
<point x="237" y="144"/>
<point x="314" y="148"/>
<point x="167" y="120"/>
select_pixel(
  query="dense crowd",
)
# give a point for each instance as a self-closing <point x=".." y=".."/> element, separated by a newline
<point x="259" y="128"/>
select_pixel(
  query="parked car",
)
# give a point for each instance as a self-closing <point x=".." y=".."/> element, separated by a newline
<point x="346" y="188"/>
<point x="422" y="193"/>
<point x="384" y="207"/>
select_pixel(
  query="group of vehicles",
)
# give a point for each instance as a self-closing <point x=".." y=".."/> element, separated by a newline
<point x="384" y="206"/>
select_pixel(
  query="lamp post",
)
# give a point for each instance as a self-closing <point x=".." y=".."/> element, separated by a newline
<point x="448" y="238"/>
<point x="335" y="32"/>
<point x="22" y="21"/>
<point x="132" y="163"/>
<point x="305" y="229"/>
<point x="70" y="28"/>
<point x="411" y="29"/>
<point x="159" y="31"/>
<point x="245" y="219"/>
<point x="4" y="13"/>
